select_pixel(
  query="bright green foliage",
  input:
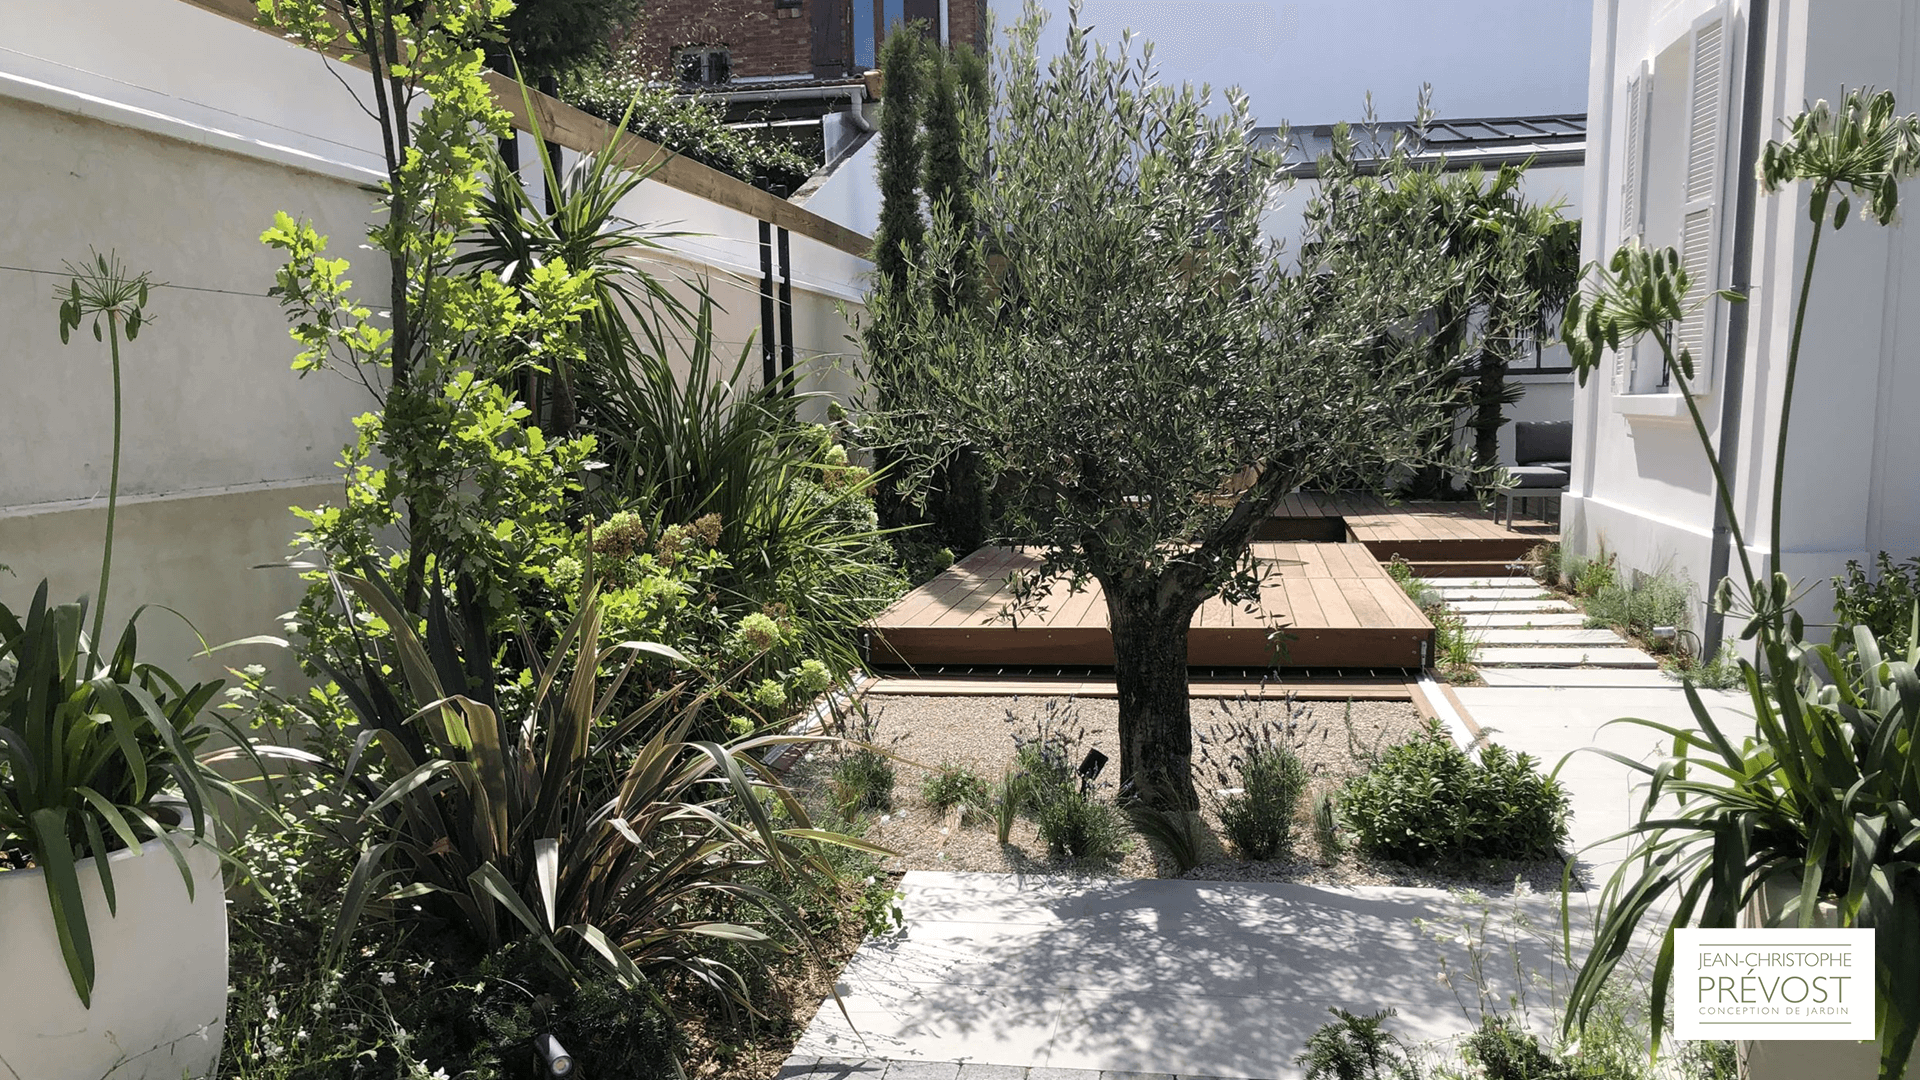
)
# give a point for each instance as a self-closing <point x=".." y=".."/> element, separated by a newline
<point x="1426" y="801"/>
<point x="1884" y="605"/>
<point x="691" y="127"/>
<point x="100" y="753"/>
<point x="1357" y="1048"/>
<point x="449" y="460"/>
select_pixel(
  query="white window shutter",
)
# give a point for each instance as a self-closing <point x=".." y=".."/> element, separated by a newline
<point x="1633" y="197"/>
<point x="1710" y="78"/>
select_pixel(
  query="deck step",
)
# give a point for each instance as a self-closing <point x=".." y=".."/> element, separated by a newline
<point x="1570" y="656"/>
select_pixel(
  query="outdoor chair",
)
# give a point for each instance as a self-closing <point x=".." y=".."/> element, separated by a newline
<point x="1543" y="461"/>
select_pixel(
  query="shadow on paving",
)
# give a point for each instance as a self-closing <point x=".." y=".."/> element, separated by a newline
<point x="1170" y="977"/>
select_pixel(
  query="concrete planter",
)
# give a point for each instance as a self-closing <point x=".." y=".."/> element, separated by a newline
<point x="1779" y="1060"/>
<point x="160" y="992"/>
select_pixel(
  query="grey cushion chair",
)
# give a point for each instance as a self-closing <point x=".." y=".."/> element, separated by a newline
<point x="1543" y="456"/>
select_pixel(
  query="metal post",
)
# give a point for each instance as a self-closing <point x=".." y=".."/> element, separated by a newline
<point x="786" y="313"/>
<point x="767" y="371"/>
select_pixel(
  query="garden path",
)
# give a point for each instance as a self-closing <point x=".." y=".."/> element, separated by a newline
<point x="1001" y="977"/>
<point x="1051" y="978"/>
<point x="1551" y="688"/>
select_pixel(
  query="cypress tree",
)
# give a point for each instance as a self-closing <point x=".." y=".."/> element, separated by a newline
<point x="902" y="229"/>
<point x="949" y="183"/>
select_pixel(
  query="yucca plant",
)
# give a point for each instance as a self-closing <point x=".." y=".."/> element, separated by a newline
<point x="604" y="837"/>
<point x="1824" y="798"/>
<point x="98" y="754"/>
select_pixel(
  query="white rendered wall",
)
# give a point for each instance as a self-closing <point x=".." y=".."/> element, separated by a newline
<point x="1642" y="487"/>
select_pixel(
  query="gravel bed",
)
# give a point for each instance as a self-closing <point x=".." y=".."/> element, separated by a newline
<point x="1333" y="739"/>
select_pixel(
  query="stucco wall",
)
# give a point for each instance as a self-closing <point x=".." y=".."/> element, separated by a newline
<point x="1642" y="485"/>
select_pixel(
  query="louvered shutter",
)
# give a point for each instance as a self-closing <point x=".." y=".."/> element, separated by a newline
<point x="1710" y="78"/>
<point x="1633" y="197"/>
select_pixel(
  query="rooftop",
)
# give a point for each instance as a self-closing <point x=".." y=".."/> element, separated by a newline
<point x="1556" y="139"/>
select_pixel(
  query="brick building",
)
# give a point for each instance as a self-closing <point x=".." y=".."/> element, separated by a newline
<point x="739" y="43"/>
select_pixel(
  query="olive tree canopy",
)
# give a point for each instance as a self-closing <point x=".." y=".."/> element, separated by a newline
<point x="1144" y="372"/>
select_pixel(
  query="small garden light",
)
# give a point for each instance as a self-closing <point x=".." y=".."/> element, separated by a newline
<point x="554" y="1059"/>
<point x="1090" y="767"/>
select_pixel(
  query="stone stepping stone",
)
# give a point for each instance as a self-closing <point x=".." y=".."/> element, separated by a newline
<point x="1514" y="582"/>
<point x="1476" y="607"/>
<point x="1525" y="619"/>
<point x="1572" y="656"/>
<point x="1578" y="678"/>
<point x="1553" y="635"/>
<point x="1516" y="593"/>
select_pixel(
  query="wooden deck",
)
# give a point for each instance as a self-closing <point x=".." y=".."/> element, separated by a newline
<point x="1432" y="535"/>
<point x="1334" y="605"/>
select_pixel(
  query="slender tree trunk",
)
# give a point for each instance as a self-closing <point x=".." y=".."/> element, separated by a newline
<point x="1490" y="387"/>
<point x="1156" y="725"/>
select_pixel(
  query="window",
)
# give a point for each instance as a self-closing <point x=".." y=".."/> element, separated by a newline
<point x="705" y="65"/>
<point x="1537" y="354"/>
<point x="1673" y="169"/>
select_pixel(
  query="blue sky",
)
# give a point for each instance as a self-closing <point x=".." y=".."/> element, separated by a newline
<point x="1312" y="61"/>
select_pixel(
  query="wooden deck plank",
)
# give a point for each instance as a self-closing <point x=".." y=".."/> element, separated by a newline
<point x="989" y="599"/>
<point x="957" y="580"/>
<point x="1325" y="595"/>
<point x="1334" y="606"/>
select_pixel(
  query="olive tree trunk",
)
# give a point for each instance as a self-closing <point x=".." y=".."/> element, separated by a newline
<point x="1150" y="669"/>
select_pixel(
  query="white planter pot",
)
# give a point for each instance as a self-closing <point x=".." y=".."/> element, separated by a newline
<point x="1782" y="1060"/>
<point x="160" y="987"/>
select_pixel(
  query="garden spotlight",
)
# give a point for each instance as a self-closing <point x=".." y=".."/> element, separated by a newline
<point x="554" y="1059"/>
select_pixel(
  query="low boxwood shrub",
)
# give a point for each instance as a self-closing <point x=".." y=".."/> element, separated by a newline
<point x="1425" y="800"/>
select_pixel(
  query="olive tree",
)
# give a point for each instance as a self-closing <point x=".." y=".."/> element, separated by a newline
<point x="1146" y="373"/>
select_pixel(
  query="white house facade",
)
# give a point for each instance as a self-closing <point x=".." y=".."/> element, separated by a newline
<point x="1683" y="94"/>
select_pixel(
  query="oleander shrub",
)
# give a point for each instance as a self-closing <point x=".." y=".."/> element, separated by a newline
<point x="1425" y="801"/>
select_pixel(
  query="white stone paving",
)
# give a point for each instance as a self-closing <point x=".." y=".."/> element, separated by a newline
<point x="1219" y="979"/>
